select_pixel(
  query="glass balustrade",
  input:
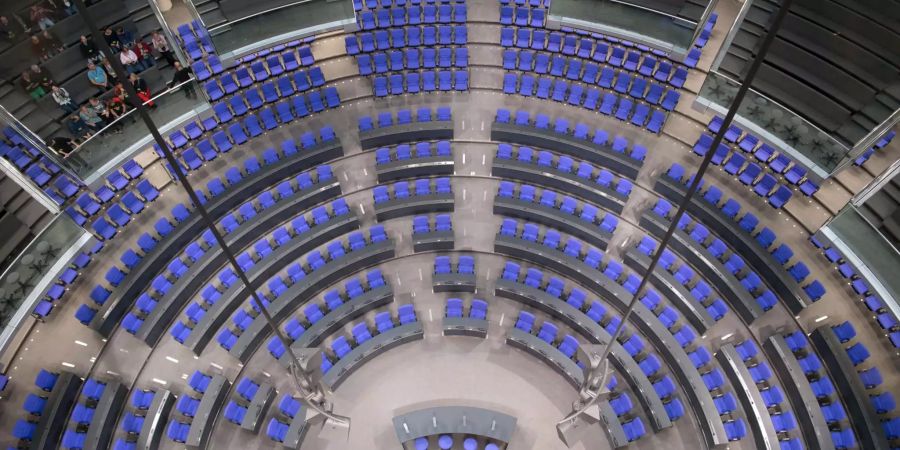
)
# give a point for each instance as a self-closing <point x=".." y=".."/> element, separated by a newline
<point x="777" y="125"/>
<point x="656" y="29"/>
<point x="127" y="135"/>
<point x="35" y="270"/>
<point x="256" y="25"/>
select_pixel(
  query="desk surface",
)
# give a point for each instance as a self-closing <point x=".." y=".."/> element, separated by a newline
<point x="210" y="405"/>
<point x="362" y="353"/>
<point x="454" y="420"/>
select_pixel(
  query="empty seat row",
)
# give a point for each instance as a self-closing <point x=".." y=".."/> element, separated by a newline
<point x="403" y="152"/>
<point x="362" y="332"/>
<point x="622" y="108"/>
<point x="283" y="86"/>
<point x="563" y="163"/>
<point x="316" y="311"/>
<point x="410" y="59"/>
<point x="619" y="144"/>
<point x="477" y="310"/>
<point x="411" y="36"/>
<point x="422" y="224"/>
<point x="465" y="265"/>
<point x="587" y="54"/>
<point x="273" y="65"/>
<point x="593" y="74"/>
<point x="421" y="187"/>
<point x="412" y="15"/>
<point x="375" y="4"/>
<point x="428" y="81"/>
<point x="606" y="222"/>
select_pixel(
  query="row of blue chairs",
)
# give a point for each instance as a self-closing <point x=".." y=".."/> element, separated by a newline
<point x="606" y="222"/>
<point x="362" y="332"/>
<point x="411" y="36"/>
<point x="275" y="64"/>
<point x="829" y="402"/>
<point x="278" y="427"/>
<point x="619" y="144"/>
<point x="375" y="4"/>
<point x="563" y="163"/>
<point x="25" y="429"/>
<point x="749" y="174"/>
<point x="89" y="203"/>
<point x="731" y="260"/>
<point x="227" y="84"/>
<point x="278" y="284"/>
<point x="477" y="310"/>
<point x="748" y="223"/>
<point x="412" y="15"/>
<point x="396" y="60"/>
<point x="601" y="314"/>
<point x="585" y="51"/>
<point x="881" y="143"/>
<point x="522" y="16"/>
<point x="58" y="289"/>
<point x="178" y="268"/>
<point x="422" y="224"/>
<point x="700" y="290"/>
<point x="403" y="152"/>
<point x="401" y="189"/>
<point x="622" y="108"/>
<point x="314" y="312"/>
<point x="426" y="81"/>
<point x="446" y="441"/>
<point x="777" y="162"/>
<point x="404" y="116"/>
<point x="574" y="70"/>
<point x="883" y="316"/>
<point x="465" y="264"/>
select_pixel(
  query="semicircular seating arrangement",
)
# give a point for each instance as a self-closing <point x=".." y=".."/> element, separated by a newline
<point x="442" y="228"/>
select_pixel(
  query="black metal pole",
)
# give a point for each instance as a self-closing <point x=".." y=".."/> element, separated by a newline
<point x="704" y="165"/>
<point x="141" y="110"/>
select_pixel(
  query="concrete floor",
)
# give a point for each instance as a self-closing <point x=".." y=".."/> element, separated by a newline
<point x="467" y="370"/>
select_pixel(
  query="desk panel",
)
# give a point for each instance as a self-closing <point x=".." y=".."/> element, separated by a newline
<point x="56" y="411"/>
<point x="771" y="271"/>
<point x="454" y="420"/>
<point x="414" y="205"/>
<point x="465" y="326"/>
<point x="553" y="218"/>
<point x="453" y="282"/>
<point x="120" y="301"/>
<point x="361" y="354"/>
<point x="414" y="168"/>
<point x="102" y="430"/>
<point x="434" y="130"/>
<point x="747" y="392"/>
<point x="256" y="410"/>
<point x="155" y="421"/>
<point x="433" y="241"/>
<point x="562" y="181"/>
<point x="211" y="262"/>
<point x="298" y="293"/>
<point x="204" y="420"/>
<point x="602" y="155"/>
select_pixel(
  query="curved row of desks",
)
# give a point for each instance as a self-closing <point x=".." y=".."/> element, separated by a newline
<point x="568" y="182"/>
<point x="119" y="302"/>
<point x="56" y="410"/>
<point x="464" y="326"/>
<point x="256" y="409"/>
<point x="339" y="317"/>
<point x="699" y="398"/>
<point x="454" y="420"/>
<point x="748" y="395"/>
<point x="433" y="241"/>
<point x="157" y="414"/>
<point x="568" y="144"/>
<point x="368" y="350"/>
<point x="850" y="387"/>
<point x="211" y="404"/>
<point x="414" y="168"/>
<point x="453" y="282"/>
<point x="771" y="271"/>
<point x="217" y="314"/>
<point x="708" y="265"/>
<point x="566" y="367"/>
<point x="413" y="205"/>
<point x="810" y="418"/>
<point x="579" y="322"/>
<point x="303" y="290"/>
<point x="210" y="263"/>
<point x="676" y="292"/>
<point x="553" y="218"/>
<point x="434" y="130"/>
<point x="102" y="429"/>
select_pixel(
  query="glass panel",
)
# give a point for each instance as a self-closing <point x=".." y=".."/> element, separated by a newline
<point x="26" y="274"/>
<point x="252" y="26"/>
<point x="656" y="29"/>
<point x="126" y="135"/>
<point x="776" y="124"/>
<point x="869" y="251"/>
